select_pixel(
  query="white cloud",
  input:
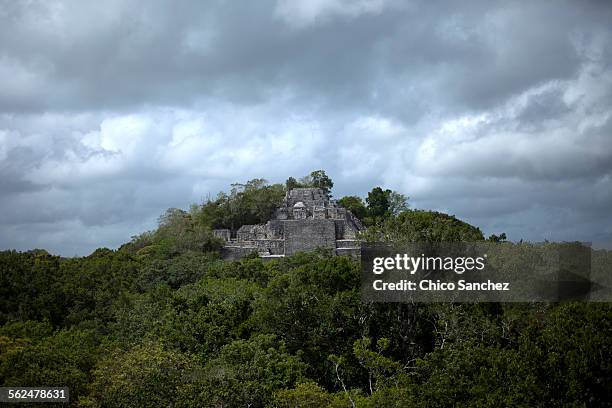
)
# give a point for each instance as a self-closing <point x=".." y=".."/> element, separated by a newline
<point x="302" y="13"/>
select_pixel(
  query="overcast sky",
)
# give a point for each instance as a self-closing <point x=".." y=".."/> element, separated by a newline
<point x="110" y="112"/>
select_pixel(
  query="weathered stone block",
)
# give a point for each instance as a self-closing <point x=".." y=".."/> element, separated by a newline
<point x="306" y="235"/>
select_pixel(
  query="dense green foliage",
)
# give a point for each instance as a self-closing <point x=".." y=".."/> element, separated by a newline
<point x="381" y="205"/>
<point x="317" y="178"/>
<point x="355" y="205"/>
<point x="423" y="226"/>
<point x="286" y="333"/>
<point x="251" y="203"/>
<point x="162" y="321"/>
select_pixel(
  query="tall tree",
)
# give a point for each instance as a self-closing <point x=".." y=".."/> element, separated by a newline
<point x="292" y="183"/>
<point x="355" y="205"/>
<point x="378" y="202"/>
<point x="397" y="202"/>
<point x="322" y="181"/>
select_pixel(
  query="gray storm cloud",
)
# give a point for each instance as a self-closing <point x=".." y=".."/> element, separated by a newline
<point x="111" y="112"/>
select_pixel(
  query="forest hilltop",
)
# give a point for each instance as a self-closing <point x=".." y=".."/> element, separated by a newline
<point x="164" y="321"/>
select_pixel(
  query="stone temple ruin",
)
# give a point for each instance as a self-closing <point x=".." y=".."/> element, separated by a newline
<point x="307" y="219"/>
